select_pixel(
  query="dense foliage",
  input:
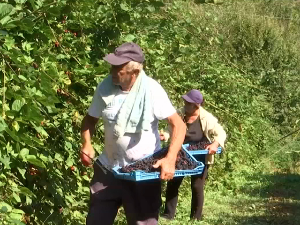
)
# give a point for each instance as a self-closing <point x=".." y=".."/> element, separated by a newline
<point x="243" y="55"/>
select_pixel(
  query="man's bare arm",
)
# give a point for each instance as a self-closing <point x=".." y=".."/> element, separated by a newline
<point x="87" y="130"/>
<point x="167" y="164"/>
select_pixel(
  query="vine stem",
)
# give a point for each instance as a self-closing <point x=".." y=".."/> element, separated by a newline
<point x="47" y="218"/>
<point x="3" y="93"/>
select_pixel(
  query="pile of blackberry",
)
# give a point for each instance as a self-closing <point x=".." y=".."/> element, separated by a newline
<point x="183" y="162"/>
<point x="199" y="146"/>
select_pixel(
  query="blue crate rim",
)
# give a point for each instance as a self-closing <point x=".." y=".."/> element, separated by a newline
<point x="199" y="167"/>
<point x="154" y="175"/>
<point x="199" y="151"/>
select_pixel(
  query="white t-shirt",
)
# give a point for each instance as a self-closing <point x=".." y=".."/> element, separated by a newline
<point x="131" y="146"/>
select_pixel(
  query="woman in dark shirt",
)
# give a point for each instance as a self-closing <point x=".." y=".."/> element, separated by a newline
<point x="200" y="125"/>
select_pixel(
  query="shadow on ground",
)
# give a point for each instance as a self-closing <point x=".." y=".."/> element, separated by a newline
<point x="279" y="204"/>
<point x="286" y="186"/>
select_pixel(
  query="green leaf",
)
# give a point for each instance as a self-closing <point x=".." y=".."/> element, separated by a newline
<point x="16" y="197"/>
<point x="25" y="191"/>
<point x="22" y="77"/>
<point x="32" y="3"/>
<point x="18" y="211"/>
<point x="2" y="184"/>
<point x="12" y="134"/>
<point x="33" y="160"/>
<point x="69" y="198"/>
<point x="28" y="200"/>
<point x="40" y="130"/>
<point x="77" y="214"/>
<point x="151" y="8"/>
<point x="26" y="46"/>
<point x="22" y="172"/>
<point x="18" y="104"/>
<point x="6" y="162"/>
<point x="32" y="113"/>
<point x="55" y="11"/>
<point x="4" y="207"/>
<point x="52" y="71"/>
<point x="27" y="25"/>
<point x="124" y="6"/>
<point x="36" y="140"/>
<point x="62" y="56"/>
<point x="5" y="9"/>
<point x="129" y="38"/>
<point x="58" y="157"/>
<point x="82" y="82"/>
<point x="26" y="139"/>
<point x="9" y="42"/>
<point x="85" y="177"/>
<point x="67" y="81"/>
<point x="28" y="59"/>
<point x="9" y="148"/>
<point x="18" y="147"/>
<point x="3" y="33"/>
<point x="16" y="125"/>
<point x="2" y="124"/>
<point x="5" y="20"/>
<point x="15" y="216"/>
<point x="68" y="145"/>
<point x="70" y="162"/>
<point x="44" y="158"/>
<point x="20" y="1"/>
<point x="23" y="153"/>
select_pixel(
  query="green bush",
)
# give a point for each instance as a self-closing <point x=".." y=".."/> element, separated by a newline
<point x="237" y="53"/>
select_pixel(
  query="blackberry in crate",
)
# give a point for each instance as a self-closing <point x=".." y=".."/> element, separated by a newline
<point x="183" y="162"/>
<point x="198" y="146"/>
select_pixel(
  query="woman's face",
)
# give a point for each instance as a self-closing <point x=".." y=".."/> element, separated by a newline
<point x="190" y="107"/>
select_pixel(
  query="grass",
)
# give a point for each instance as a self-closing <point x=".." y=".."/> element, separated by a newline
<point x="263" y="198"/>
<point x="268" y="198"/>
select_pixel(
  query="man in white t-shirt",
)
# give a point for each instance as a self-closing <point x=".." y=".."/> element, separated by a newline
<point x="130" y="104"/>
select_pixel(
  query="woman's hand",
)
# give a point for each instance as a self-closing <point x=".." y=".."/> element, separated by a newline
<point x="162" y="135"/>
<point x="212" y="148"/>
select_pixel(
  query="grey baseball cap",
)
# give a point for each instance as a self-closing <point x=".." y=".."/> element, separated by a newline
<point x="125" y="53"/>
<point x="193" y="96"/>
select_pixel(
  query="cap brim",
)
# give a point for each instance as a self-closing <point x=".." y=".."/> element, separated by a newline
<point x="188" y="99"/>
<point x="115" y="60"/>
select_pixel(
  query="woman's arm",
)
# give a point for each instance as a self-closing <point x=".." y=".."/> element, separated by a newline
<point x="216" y="131"/>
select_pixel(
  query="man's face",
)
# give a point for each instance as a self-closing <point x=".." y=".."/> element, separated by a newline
<point x="120" y="75"/>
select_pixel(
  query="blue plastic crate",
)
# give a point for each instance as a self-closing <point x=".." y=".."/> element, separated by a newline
<point x="199" y="152"/>
<point x="141" y="175"/>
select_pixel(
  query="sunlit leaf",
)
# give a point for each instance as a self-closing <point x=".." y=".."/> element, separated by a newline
<point x="33" y="160"/>
<point x="4" y="207"/>
<point x="25" y="191"/>
<point x="18" y="104"/>
<point x="24" y="152"/>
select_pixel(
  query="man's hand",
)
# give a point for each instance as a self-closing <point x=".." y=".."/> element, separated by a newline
<point x="212" y="148"/>
<point x="167" y="168"/>
<point x="167" y="164"/>
<point x="86" y="154"/>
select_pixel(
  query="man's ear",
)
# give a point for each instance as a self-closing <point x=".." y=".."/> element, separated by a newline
<point x="136" y="72"/>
